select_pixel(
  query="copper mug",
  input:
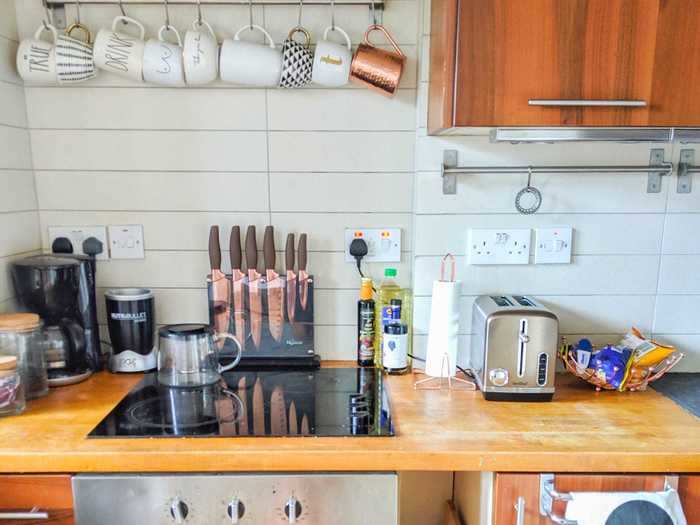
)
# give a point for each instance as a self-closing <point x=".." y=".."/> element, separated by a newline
<point x="377" y="68"/>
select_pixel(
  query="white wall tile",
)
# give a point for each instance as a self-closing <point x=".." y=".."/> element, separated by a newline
<point x="8" y="55"/>
<point x="8" y="20"/>
<point x="593" y="233"/>
<point x="678" y="274"/>
<point x="16" y="152"/>
<point x="677" y="314"/>
<point x="12" y="108"/>
<point x="587" y="274"/>
<point x="336" y="307"/>
<point x="174" y="191"/>
<point x="341" y="192"/>
<point x="145" y="108"/>
<point x="680" y="233"/>
<point x="149" y="150"/>
<point x="18" y="191"/>
<point x="341" y="151"/>
<point x="19" y="232"/>
<point x="341" y="109"/>
<point x="336" y="342"/>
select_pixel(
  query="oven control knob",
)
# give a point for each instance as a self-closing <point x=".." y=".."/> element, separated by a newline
<point x="498" y="376"/>
<point x="235" y="510"/>
<point x="292" y="509"/>
<point x="179" y="510"/>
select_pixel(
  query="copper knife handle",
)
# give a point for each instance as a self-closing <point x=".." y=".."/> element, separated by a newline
<point x="289" y="253"/>
<point x="234" y="247"/>
<point x="214" y="248"/>
<point x="269" y="248"/>
<point x="251" y="249"/>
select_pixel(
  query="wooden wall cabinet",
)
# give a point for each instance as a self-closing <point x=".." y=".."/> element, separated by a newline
<point x="492" y="60"/>
<point x="52" y="494"/>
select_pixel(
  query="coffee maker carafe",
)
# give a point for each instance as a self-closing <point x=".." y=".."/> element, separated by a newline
<point x="58" y="289"/>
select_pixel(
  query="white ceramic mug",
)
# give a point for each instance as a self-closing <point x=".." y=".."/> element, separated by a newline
<point x="74" y="58"/>
<point x="201" y="54"/>
<point x="332" y="60"/>
<point x="36" y="59"/>
<point x="249" y="63"/>
<point x="162" y="61"/>
<point x="120" y="53"/>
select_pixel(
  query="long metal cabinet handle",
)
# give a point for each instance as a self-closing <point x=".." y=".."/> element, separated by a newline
<point x="520" y="511"/>
<point x="588" y="103"/>
<point x="34" y="514"/>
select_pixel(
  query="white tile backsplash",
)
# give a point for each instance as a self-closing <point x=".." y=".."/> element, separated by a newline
<point x="321" y="160"/>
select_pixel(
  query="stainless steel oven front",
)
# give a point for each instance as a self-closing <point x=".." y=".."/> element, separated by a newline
<point x="255" y="499"/>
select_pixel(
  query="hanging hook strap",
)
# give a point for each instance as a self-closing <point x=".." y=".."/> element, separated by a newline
<point x="250" y="14"/>
<point x="199" y="12"/>
<point x="77" y="12"/>
<point x="529" y="176"/>
<point x="374" y="13"/>
<point x="301" y="8"/>
<point x="448" y="257"/>
<point x="48" y="19"/>
<point x="121" y="8"/>
<point x="167" y="14"/>
<point x="332" y="15"/>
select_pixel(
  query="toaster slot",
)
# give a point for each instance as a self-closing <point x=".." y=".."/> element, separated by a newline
<point x="501" y="300"/>
<point x="523" y="301"/>
<point x="522" y="347"/>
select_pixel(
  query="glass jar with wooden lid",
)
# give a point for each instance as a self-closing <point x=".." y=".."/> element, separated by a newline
<point x="11" y="387"/>
<point x="21" y="335"/>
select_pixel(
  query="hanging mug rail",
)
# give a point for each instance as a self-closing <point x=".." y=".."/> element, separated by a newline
<point x="378" y="4"/>
<point x="656" y="169"/>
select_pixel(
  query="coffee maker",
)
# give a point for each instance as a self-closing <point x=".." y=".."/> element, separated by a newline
<point x="61" y="290"/>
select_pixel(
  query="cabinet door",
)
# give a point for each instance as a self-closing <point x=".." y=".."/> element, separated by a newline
<point x="509" y="487"/>
<point x="510" y="52"/>
<point x="52" y="494"/>
<point x="676" y="92"/>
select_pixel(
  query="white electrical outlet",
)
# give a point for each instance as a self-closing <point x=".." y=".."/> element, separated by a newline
<point x="499" y="247"/>
<point x="77" y="234"/>
<point x="383" y="244"/>
<point x="126" y="242"/>
<point x="553" y="245"/>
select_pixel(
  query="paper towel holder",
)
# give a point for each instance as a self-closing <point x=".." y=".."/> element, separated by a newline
<point x="438" y="383"/>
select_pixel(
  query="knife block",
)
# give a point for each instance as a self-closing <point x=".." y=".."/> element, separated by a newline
<point x="294" y="343"/>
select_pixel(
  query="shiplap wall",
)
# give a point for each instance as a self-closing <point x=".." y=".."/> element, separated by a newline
<point x="19" y="220"/>
<point x="634" y="253"/>
<point x="178" y="160"/>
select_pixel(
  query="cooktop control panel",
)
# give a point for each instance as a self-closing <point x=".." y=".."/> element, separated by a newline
<point x="210" y="499"/>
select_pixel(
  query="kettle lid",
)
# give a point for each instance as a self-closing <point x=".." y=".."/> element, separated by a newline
<point x="47" y="261"/>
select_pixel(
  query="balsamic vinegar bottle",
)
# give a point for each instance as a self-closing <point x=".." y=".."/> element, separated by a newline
<point x="365" y="325"/>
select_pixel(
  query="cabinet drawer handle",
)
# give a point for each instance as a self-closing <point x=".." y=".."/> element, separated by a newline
<point x="588" y="103"/>
<point x="520" y="511"/>
<point x="34" y="514"/>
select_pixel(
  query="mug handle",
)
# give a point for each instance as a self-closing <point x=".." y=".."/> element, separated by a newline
<point x="46" y="27"/>
<point x="228" y="367"/>
<point x="377" y="27"/>
<point x="129" y="20"/>
<point x="299" y="29"/>
<point x="165" y="28"/>
<point x="253" y="27"/>
<point x="339" y="30"/>
<point x="83" y="28"/>
<point x="199" y="23"/>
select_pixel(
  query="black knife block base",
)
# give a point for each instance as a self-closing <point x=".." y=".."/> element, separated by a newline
<point x="296" y="346"/>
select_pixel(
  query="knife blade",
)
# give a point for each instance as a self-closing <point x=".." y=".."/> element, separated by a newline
<point x="304" y="425"/>
<point x="238" y="306"/>
<point x="275" y="292"/>
<point x="291" y="278"/>
<point x="258" y="409"/>
<point x="219" y="283"/>
<point x="278" y="415"/>
<point x="255" y="299"/>
<point x="303" y="275"/>
<point x="293" y="424"/>
<point x="242" y="394"/>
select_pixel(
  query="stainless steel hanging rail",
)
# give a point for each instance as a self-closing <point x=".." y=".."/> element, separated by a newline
<point x="656" y="169"/>
<point x="379" y="4"/>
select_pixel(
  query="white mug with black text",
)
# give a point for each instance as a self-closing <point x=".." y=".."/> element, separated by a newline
<point x="201" y="54"/>
<point x="162" y="61"/>
<point x="121" y="53"/>
<point x="36" y="58"/>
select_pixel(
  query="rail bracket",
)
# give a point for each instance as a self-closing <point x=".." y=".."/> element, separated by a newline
<point x="449" y="180"/>
<point x="685" y="174"/>
<point x="656" y="158"/>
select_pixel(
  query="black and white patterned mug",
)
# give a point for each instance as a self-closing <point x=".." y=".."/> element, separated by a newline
<point x="75" y="61"/>
<point x="297" y="60"/>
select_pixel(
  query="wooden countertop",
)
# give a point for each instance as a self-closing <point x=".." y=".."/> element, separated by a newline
<point x="580" y="431"/>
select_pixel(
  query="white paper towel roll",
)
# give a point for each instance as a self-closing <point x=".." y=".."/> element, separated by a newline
<point x="444" y="329"/>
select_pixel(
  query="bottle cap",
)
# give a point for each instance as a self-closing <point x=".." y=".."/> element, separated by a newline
<point x="366" y="289"/>
<point x="396" y="302"/>
<point x="396" y="329"/>
<point x="389" y="272"/>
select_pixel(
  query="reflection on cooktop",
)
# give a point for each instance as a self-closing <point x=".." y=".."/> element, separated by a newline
<point x="322" y="402"/>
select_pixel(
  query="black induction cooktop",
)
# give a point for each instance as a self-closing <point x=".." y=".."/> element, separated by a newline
<point x="320" y="402"/>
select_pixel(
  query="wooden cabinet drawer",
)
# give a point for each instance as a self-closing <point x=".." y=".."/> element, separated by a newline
<point x="52" y="494"/>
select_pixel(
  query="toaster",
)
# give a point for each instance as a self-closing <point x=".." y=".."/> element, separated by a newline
<point x="514" y="348"/>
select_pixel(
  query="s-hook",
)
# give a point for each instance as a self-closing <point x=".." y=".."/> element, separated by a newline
<point x="250" y="14"/>
<point x="534" y="194"/>
<point x="199" y="13"/>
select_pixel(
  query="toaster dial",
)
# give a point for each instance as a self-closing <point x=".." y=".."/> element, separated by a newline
<point x="498" y="376"/>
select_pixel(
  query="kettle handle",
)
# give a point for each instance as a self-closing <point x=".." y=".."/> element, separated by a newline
<point x="76" y="341"/>
<point x="377" y="27"/>
<point x="237" y="360"/>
